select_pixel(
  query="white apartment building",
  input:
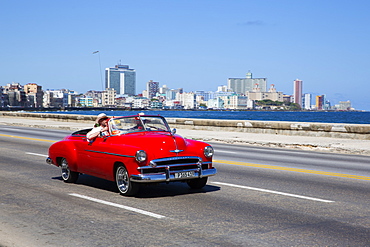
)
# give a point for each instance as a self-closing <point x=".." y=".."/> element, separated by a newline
<point x="141" y="103"/>
<point x="216" y="103"/>
<point x="108" y="97"/>
<point x="188" y="100"/>
<point x="237" y="102"/>
<point x="307" y="101"/>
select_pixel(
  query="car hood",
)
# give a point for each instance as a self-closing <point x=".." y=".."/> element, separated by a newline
<point x="158" y="144"/>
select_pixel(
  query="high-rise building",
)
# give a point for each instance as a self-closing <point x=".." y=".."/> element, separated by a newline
<point x="307" y="101"/>
<point x="122" y="79"/>
<point x="320" y="102"/>
<point x="297" y="92"/>
<point x="152" y="88"/>
<point x="243" y="85"/>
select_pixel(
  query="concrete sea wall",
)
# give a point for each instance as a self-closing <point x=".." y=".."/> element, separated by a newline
<point x="335" y="130"/>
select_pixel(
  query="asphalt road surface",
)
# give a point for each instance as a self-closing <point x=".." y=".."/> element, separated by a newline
<point x="260" y="197"/>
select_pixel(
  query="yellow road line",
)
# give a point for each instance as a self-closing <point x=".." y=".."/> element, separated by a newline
<point x="27" y="138"/>
<point x="292" y="169"/>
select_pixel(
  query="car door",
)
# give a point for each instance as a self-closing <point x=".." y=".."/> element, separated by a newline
<point x="97" y="157"/>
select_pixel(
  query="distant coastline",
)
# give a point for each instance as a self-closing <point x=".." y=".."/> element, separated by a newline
<point x="346" y="117"/>
<point x="61" y="109"/>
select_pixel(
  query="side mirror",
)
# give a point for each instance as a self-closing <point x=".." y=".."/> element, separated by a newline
<point x="173" y="131"/>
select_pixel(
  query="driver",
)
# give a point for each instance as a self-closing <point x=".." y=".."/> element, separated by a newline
<point x="138" y="125"/>
<point x="100" y="128"/>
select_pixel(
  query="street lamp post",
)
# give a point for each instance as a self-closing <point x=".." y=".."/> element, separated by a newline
<point x="101" y="76"/>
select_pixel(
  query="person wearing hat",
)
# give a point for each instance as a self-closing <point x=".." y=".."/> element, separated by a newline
<point x="100" y="127"/>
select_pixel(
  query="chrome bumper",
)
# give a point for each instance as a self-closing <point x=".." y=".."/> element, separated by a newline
<point x="169" y="176"/>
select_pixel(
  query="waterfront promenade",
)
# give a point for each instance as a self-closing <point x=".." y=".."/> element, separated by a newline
<point x="310" y="143"/>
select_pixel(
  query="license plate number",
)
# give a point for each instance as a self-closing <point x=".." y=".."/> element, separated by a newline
<point x="184" y="174"/>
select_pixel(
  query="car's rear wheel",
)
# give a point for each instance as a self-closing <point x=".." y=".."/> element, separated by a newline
<point x="124" y="185"/>
<point x="68" y="176"/>
<point x="197" y="183"/>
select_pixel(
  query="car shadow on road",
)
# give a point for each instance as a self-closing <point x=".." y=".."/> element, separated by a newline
<point x="172" y="189"/>
<point x="146" y="191"/>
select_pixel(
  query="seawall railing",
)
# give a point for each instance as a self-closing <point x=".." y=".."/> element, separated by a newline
<point x="336" y="130"/>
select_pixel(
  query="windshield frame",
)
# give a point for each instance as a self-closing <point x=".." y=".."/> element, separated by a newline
<point x="137" y="123"/>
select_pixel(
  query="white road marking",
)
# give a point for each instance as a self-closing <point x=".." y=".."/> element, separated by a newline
<point x="158" y="216"/>
<point x="221" y="151"/>
<point x="272" y="191"/>
<point x="43" y="155"/>
<point x="18" y="130"/>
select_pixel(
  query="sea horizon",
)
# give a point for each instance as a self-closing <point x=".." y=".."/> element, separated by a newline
<point x="345" y="117"/>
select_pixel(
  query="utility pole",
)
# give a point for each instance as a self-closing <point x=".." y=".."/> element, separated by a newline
<point x="101" y="76"/>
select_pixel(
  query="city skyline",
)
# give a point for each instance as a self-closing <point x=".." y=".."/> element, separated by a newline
<point x="32" y="95"/>
<point x="122" y="80"/>
<point x="52" y="44"/>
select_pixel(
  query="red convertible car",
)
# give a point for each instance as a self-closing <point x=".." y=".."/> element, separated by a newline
<point x="138" y="149"/>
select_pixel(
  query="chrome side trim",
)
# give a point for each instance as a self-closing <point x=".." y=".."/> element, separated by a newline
<point x="121" y="155"/>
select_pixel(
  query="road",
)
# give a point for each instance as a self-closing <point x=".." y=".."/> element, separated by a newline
<point x="260" y="197"/>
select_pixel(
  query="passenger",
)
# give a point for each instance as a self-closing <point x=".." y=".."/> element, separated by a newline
<point x="138" y="126"/>
<point x="100" y="127"/>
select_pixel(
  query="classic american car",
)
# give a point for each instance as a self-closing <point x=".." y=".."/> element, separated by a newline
<point x="139" y="149"/>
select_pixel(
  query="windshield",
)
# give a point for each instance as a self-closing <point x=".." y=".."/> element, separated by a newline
<point x="124" y="125"/>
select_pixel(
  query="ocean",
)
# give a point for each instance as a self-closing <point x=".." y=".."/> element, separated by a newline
<point x="314" y="116"/>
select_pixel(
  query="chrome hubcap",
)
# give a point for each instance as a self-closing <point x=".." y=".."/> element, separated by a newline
<point x="65" y="169"/>
<point x="122" y="179"/>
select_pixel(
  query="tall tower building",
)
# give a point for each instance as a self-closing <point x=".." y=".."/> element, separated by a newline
<point x="122" y="79"/>
<point x="152" y="87"/>
<point x="297" y="92"/>
<point x="320" y="102"/>
<point x="243" y="85"/>
<point x="307" y="101"/>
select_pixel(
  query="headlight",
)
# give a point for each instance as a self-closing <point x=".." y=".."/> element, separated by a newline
<point x="140" y="156"/>
<point x="208" y="151"/>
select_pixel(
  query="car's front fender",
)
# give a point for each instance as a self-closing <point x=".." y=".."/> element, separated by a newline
<point x="64" y="149"/>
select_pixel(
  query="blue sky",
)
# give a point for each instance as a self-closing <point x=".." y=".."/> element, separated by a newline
<point x="191" y="44"/>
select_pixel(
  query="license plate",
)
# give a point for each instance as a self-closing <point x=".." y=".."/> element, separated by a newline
<point x="184" y="174"/>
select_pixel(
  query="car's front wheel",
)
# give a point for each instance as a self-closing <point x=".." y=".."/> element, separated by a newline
<point x="68" y="176"/>
<point x="197" y="183"/>
<point x="124" y="185"/>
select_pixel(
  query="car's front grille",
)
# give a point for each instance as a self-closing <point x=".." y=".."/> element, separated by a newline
<point x="175" y="161"/>
<point x="172" y="168"/>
